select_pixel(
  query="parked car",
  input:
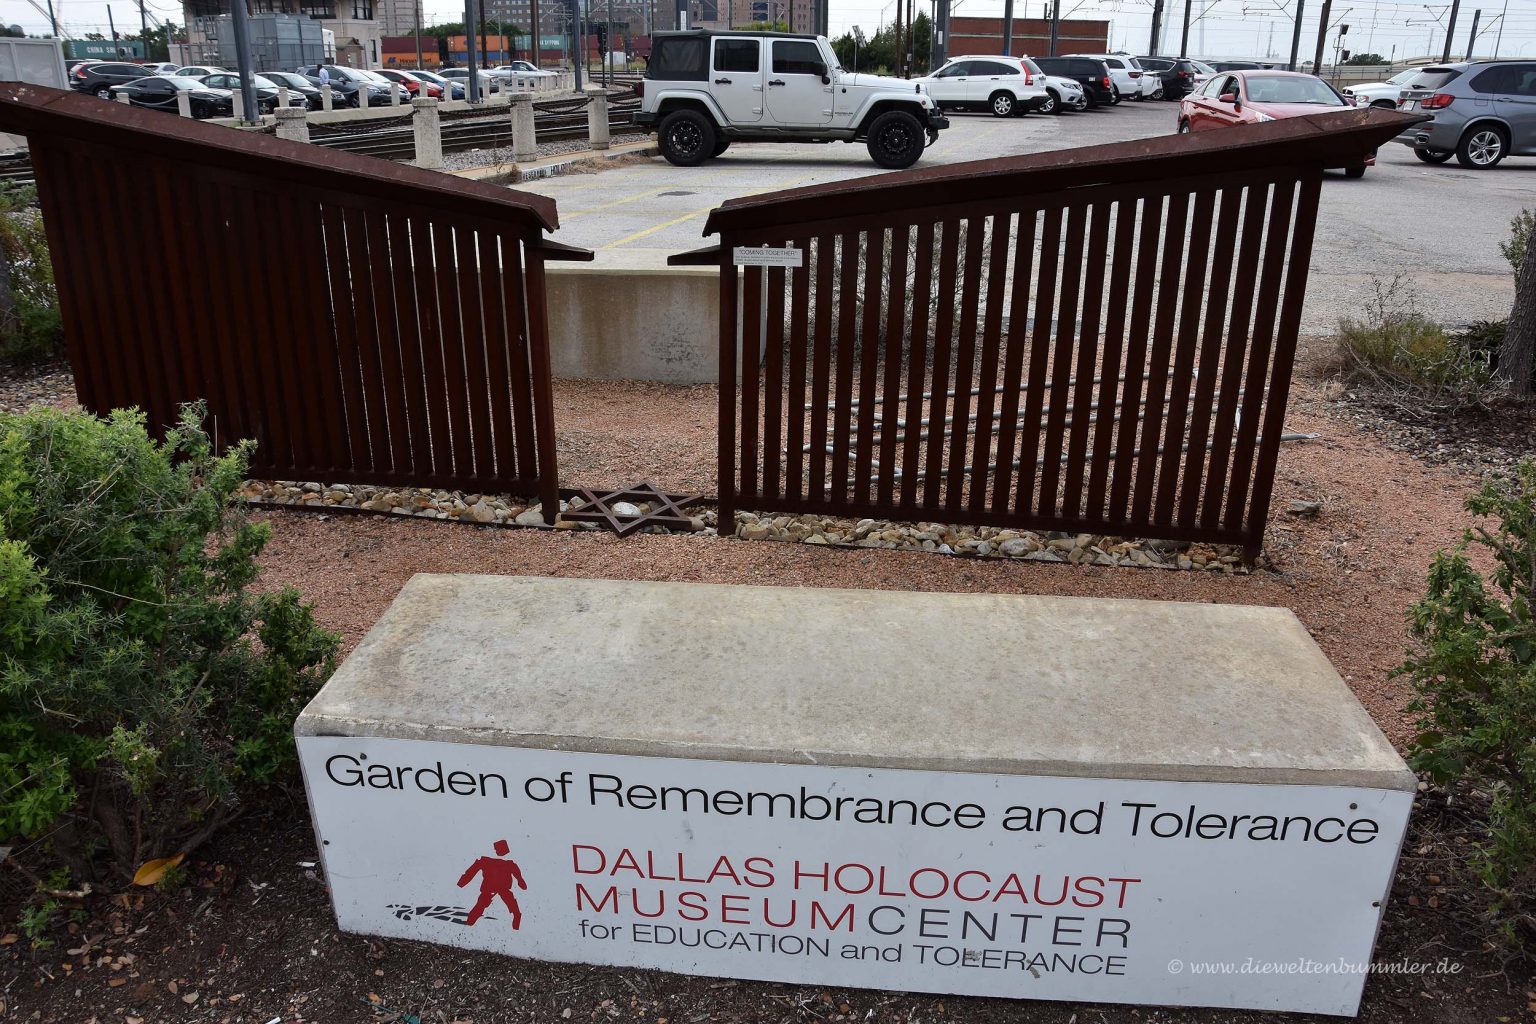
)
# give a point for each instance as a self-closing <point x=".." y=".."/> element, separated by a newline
<point x="1237" y="65"/>
<point x="159" y="93"/>
<point x="1483" y="112"/>
<point x="1381" y="94"/>
<point x="348" y="83"/>
<point x="520" y="68"/>
<point x="99" y="76"/>
<point x="198" y="70"/>
<point x="265" y="89"/>
<point x="451" y="89"/>
<point x="296" y="83"/>
<point x="461" y="75"/>
<point x="1177" y="73"/>
<point x="1252" y="97"/>
<point x="1002" y="86"/>
<point x="1092" y="75"/>
<point x="1125" y="72"/>
<point x="414" y="85"/>
<point x="1062" y="94"/>
<point x="699" y="88"/>
<point x="1203" y="72"/>
<point x="163" y="68"/>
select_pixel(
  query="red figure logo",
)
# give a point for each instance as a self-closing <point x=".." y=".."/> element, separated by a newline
<point x="496" y="877"/>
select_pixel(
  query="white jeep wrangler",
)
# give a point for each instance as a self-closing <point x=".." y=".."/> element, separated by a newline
<point x="704" y="90"/>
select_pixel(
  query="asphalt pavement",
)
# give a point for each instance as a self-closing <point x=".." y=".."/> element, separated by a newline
<point x="1438" y="225"/>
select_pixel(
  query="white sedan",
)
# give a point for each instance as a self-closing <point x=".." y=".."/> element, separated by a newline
<point x="1381" y="94"/>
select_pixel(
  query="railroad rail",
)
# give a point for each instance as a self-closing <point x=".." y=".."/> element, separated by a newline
<point x="398" y="142"/>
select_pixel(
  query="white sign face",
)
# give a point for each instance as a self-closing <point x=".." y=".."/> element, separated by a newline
<point x="767" y="256"/>
<point x="1106" y="890"/>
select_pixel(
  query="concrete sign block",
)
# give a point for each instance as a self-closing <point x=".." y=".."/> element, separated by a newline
<point x="1032" y="797"/>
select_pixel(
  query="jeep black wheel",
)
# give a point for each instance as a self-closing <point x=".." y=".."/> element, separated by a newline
<point x="686" y="138"/>
<point x="895" y="140"/>
<point x="1052" y="104"/>
<point x="1002" y="104"/>
<point x="721" y="147"/>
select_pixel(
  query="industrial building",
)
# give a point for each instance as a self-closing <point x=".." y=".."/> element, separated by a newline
<point x="354" y="23"/>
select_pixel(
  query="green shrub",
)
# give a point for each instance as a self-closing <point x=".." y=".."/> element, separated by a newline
<point x="31" y="329"/>
<point x="1475" y="676"/>
<point x="1402" y="352"/>
<point x="1519" y="238"/>
<point x="143" y="685"/>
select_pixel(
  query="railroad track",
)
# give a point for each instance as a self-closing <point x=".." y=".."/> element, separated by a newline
<point x="494" y="130"/>
<point x="17" y="172"/>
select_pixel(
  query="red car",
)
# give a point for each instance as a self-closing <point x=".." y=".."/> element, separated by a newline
<point x="1253" y="97"/>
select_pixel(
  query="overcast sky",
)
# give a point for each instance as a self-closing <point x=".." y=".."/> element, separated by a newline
<point x="1220" y="28"/>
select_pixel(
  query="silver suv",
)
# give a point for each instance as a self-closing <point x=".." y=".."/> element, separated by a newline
<point x="1482" y="112"/>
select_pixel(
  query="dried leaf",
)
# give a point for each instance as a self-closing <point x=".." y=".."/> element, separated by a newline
<point x="9" y="939"/>
<point x="151" y="871"/>
<point x="117" y="982"/>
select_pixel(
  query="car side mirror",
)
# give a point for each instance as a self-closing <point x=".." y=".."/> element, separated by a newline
<point x="1230" y="97"/>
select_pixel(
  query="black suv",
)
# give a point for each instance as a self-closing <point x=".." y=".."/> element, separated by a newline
<point x="1178" y="75"/>
<point x="1091" y="74"/>
<point x="99" y="76"/>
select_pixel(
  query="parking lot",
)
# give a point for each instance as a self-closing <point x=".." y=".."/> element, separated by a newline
<point x="1440" y="225"/>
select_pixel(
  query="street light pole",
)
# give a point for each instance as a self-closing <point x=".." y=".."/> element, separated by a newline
<point x="237" y="15"/>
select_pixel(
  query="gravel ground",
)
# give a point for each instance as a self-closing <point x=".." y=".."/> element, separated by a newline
<point x="22" y="387"/>
<point x="470" y="158"/>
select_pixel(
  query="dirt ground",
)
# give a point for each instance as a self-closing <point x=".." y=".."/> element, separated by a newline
<point x="252" y="938"/>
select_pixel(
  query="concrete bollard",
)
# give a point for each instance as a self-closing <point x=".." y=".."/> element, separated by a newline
<point x="525" y="145"/>
<point x="597" y="116"/>
<point x="183" y="103"/>
<point x="362" y="97"/>
<point x="282" y="96"/>
<point x="325" y="97"/>
<point x="394" y="95"/>
<point x="292" y="123"/>
<point x="428" y="125"/>
<point x="237" y="105"/>
<point x="123" y="97"/>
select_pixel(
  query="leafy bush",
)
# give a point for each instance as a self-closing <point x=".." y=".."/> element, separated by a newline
<point x="1402" y="352"/>
<point x="1519" y="238"/>
<point x="1475" y="676"/>
<point x="143" y="685"/>
<point x="31" y="328"/>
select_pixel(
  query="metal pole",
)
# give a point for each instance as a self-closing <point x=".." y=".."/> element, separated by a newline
<point x="1157" y="25"/>
<point x="940" y="34"/>
<point x="473" y="86"/>
<point x="237" y="14"/>
<point x="117" y="51"/>
<point x="55" y="21"/>
<point x="1296" y="35"/>
<point x="1055" y="24"/>
<point x="1322" y="38"/>
<point x="901" y="49"/>
<point x="144" y="33"/>
<point x="1450" y="31"/>
<point x="1007" y="28"/>
<point x="575" y="43"/>
<point x="419" y="62"/>
<point x="1477" y="16"/>
<point x="1184" y="39"/>
<point x="1499" y="40"/>
<point x="485" y="51"/>
<point x="536" y="43"/>
<point x="608" y="47"/>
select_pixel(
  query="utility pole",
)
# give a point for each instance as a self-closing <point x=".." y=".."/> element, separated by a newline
<point x="1296" y="35"/>
<point x="144" y="33"/>
<point x="537" y="43"/>
<point x="117" y="51"/>
<point x="1497" y="42"/>
<point x="1184" y="39"/>
<point x="910" y="39"/>
<point x="237" y="16"/>
<point x="1007" y="28"/>
<point x="1056" y="24"/>
<point x="1477" y="16"/>
<point x="576" y="42"/>
<point x="1450" y="31"/>
<point x="608" y="47"/>
<point x="940" y="33"/>
<point x="485" y="51"/>
<point x="53" y="20"/>
<point x="469" y="47"/>
<point x="1322" y="38"/>
<point x="418" y="34"/>
<point x="901" y="49"/>
<point x="1157" y="27"/>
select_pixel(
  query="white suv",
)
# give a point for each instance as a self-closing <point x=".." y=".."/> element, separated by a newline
<point x="704" y="90"/>
<point x="1004" y="86"/>
<point x="1381" y="94"/>
<point x="1130" y="78"/>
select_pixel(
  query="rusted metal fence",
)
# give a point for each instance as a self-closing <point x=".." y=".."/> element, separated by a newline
<point x="362" y="321"/>
<point x="1097" y="339"/>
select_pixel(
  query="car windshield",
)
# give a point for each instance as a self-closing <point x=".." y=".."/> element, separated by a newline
<point x="429" y="76"/>
<point x="350" y="74"/>
<point x="262" y="82"/>
<point x="376" y="79"/>
<point x="1402" y="77"/>
<point x="1432" y="78"/>
<point x="1275" y="89"/>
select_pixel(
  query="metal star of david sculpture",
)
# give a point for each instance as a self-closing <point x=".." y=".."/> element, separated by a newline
<point x="666" y="509"/>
